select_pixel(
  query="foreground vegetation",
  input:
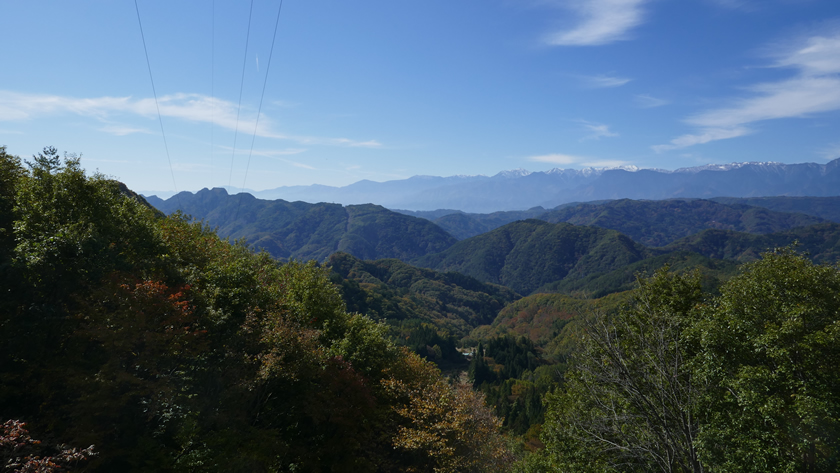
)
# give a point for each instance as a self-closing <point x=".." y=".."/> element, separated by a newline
<point x="681" y="381"/>
<point x="165" y="348"/>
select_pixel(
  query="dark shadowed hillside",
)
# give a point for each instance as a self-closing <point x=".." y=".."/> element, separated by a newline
<point x="297" y="230"/>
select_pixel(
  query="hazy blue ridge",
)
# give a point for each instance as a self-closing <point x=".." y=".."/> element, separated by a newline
<point x="517" y="190"/>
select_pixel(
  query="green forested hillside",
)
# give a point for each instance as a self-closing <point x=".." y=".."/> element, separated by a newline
<point x="298" y="230"/>
<point x="823" y="207"/>
<point x="529" y="254"/>
<point x="398" y="292"/>
<point x="713" y="272"/>
<point x="820" y="242"/>
<point x="134" y="342"/>
<point x="660" y="222"/>
<point x="463" y="225"/>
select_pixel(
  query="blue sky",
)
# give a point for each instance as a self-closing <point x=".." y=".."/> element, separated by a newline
<point x="388" y="89"/>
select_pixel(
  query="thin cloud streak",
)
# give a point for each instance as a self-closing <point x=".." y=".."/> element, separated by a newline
<point x="706" y="136"/>
<point x="646" y="101"/>
<point x="561" y="159"/>
<point x="123" y="130"/>
<point x="602" y="81"/>
<point x="571" y="160"/>
<point x="815" y="89"/>
<point x="598" y="131"/>
<point x="600" y="22"/>
<point x="189" y="107"/>
<point x="830" y="152"/>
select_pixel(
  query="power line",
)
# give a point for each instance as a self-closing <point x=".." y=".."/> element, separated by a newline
<point x="241" y="86"/>
<point x="259" y="109"/>
<point x="212" y="83"/>
<point x="154" y="92"/>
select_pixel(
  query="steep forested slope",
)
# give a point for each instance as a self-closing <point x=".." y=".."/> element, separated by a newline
<point x="823" y="207"/>
<point x="398" y="292"/>
<point x="297" y="230"/>
<point x="657" y="223"/>
<point x="529" y="254"/>
<point x="820" y="242"/>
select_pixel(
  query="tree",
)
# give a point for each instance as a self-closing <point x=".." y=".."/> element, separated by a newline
<point x="446" y="428"/>
<point x="629" y="402"/>
<point x="770" y="353"/>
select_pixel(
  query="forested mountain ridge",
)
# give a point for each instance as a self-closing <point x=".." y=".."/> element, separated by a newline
<point x="298" y="230"/>
<point x="650" y="222"/>
<point x="820" y="242"/>
<point x="528" y="254"/>
<point x="823" y="207"/>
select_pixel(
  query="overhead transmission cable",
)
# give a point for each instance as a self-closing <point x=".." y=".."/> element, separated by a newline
<point x="259" y="109"/>
<point x="212" y="83"/>
<point x="154" y="92"/>
<point x="241" y="86"/>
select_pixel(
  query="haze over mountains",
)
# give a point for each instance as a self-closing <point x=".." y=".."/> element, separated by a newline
<point x="520" y="189"/>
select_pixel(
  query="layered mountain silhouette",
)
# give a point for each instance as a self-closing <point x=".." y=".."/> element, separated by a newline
<point x="520" y="189"/>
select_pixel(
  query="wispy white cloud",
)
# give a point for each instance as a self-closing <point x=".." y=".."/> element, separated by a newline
<point x="599" y="22"/>
<point x="272" y="153"/>
<point x="189" y="107"/>
<point x="602" y="81"/>
<point x="562" y="159"/>
<point x="606" y="163"/>
<point x="646" y="101"/>
<point x="830" y="152"/>
<point x="123" y="130"/>
<point x="571" y="160"/>
<point x="597" y="131"/>
<point x="705" y="136"/>
<point x="814" y="89"/>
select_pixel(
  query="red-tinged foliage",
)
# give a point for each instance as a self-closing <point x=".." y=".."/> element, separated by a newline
<point x="20" y="453"/>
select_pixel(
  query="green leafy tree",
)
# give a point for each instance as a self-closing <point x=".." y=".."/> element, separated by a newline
<point x="629" y="402"/>
<point x="771" y="351"/>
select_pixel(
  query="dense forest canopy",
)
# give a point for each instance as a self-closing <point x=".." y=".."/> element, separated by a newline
<point x="166" y="348"/>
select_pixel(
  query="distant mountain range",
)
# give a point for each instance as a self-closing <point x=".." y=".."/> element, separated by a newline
<point x="520" y="189"/>
<point x="591" y="248"/>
